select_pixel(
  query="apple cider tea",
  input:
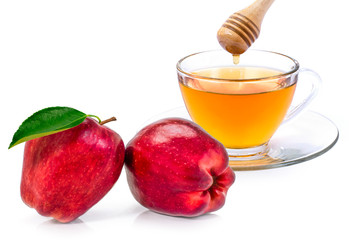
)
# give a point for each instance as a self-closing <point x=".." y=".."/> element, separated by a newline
<point x="234" y="107"/>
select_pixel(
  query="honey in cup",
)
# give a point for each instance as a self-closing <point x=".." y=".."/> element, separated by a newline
<point x="240" y="106"/>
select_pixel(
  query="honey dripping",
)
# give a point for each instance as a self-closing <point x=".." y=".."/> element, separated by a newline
<point x="236" y="59"/>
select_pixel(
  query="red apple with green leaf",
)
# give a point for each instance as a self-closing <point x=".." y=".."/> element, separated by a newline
<point x="174" y="167"/>
<point x="70" y="162"/>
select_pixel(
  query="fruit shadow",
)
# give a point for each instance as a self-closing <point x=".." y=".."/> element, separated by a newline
<point x="150" y="219"/>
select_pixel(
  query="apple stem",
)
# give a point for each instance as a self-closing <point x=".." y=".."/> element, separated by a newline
<point x="108" y="120"/>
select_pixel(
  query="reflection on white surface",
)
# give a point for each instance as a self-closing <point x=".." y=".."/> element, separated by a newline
<point x="65" y="230"/>
<point x="149" y="219"/>
<point x="111" y="212"/>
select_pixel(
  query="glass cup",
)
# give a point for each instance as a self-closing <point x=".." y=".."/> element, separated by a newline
<point x="242" y="105"/>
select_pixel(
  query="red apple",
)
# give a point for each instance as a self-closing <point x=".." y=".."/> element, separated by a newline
<point x="176" y="168"/>
<point x="66" y="173"/>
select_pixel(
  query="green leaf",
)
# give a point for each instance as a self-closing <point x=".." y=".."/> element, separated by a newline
<point x="48" y="121"/>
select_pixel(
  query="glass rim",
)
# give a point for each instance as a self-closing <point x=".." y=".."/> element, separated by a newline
<point x="284" y="74"/>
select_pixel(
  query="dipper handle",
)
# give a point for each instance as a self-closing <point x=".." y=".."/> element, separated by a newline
<point x="242" y="28"/>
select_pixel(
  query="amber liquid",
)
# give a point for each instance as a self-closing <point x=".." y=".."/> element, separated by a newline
<point x="238" y="114"/>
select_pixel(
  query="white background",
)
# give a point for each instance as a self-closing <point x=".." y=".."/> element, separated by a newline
<point x="117" y="58"/>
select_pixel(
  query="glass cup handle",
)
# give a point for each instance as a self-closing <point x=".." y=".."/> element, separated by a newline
<point x="315" y="82"/>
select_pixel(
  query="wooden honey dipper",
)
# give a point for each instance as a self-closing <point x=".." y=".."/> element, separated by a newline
<point x="242" y="28"/>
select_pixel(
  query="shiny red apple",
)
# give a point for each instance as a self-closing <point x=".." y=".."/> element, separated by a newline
<point x="66" y="173"/>
<point x="176" y="168"/>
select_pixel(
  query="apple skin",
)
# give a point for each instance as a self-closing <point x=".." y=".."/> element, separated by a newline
<point x="174" y="167"/>
<point x="66" y="173"/>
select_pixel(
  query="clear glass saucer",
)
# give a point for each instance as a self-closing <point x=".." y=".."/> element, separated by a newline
<point x="307" y="136"/>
